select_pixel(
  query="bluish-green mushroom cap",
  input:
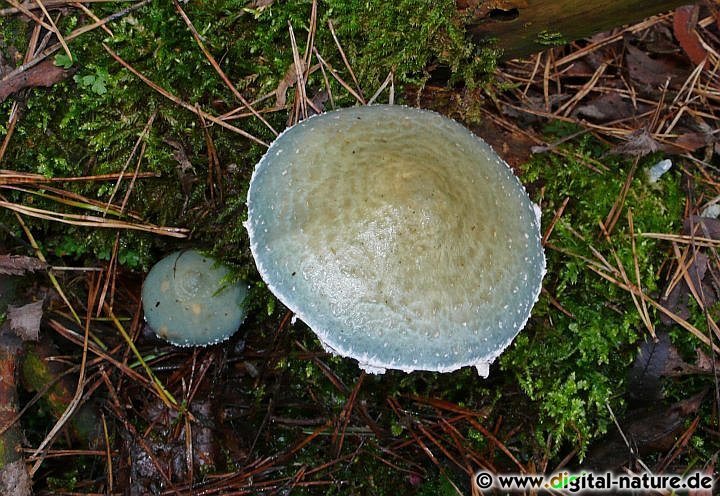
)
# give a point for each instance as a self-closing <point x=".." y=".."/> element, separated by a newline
<point x="401" y="238"/>
<point x="187" y="302"/>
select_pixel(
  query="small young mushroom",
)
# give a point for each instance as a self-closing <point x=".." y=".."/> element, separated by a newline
<point x="186" y="300"/>
<point x="398" y="236"/>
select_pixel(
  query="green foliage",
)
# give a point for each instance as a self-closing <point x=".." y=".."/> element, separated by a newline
<point x="95" y="82"/>
<point x="89" y="123"/>
<point x="403" y="36"/>
<point x="572" y="366"/>
<point x="62" y="60"/>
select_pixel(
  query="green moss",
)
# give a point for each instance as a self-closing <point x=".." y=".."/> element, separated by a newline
<point x="10" y="443"/>
<point x="550" y="38"/>
<point x="570" y="367"/>
<point x="89" y="123"/>
<point x="35" y="372"/>
<point x="404" y="36"/>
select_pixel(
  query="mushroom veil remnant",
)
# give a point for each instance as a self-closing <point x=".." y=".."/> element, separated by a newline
<point x="186" y="300"/>
<point x="402" y="239"/>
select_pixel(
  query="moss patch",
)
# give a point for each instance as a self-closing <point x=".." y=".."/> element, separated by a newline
<point x="89" y="123"/>
<point x="570" y="366"/>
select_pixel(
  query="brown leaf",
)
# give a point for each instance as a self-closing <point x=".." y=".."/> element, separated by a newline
<point x="644" y="378"/>
<point x="687" y="142"/>
<point x="649" y="430"/>
<point x="651" y="72"/>
<point x="260" y="4"/>
<point x="179" y="154"/>
<point x="607" y="107"/>
<point x="677" y="303"/>
<point x="288" y="81"/>
<point x="638" y="144"/>
<point x="684" y="23"/>
<point x="483" y="8"/>
<point x="513" y="147"/>
<point x="186" y="171"/>
<point x="658" y="359"/>
<point x="44" y="74"/>
<point x="704" y="363"/>
<point x="678" y="299"/>
<point x="704" y="227"/>
<point x="16" y="265"/>
<point x="25" y="320"/>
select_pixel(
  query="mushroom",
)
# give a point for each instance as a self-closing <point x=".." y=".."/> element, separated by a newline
<point x="401" y="238"/>
<point x="186" y="300"/>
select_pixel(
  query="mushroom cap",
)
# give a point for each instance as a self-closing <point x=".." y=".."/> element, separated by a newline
<point x="401" y="238"/>
<point x="186" y="300"/>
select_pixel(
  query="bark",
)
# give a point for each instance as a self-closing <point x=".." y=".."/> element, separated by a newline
<point x="37" y="371"/>
<point x="523" y="27"/>
<point x="14" y="478"/>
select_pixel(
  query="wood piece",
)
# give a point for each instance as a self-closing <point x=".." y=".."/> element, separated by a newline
<point x="523" y="27"/>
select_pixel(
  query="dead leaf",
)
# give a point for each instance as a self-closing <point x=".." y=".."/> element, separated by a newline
<point x="514" y="147"/>
<point x="685" y="21"/>
<point x="16" y="265"/>
<point x="483" y="8"/>
<point x="659" y="359"/>
<point x="180" y="155"/>
<point x="644" y="381"/>
<point x="25" y="320"/>
<point x="638" y="144"/>
<point x="651" y="72"/>
<point x="260" y="4"/>
<point x="704" y="363"/>
<point x="704" y="227"/>
<point x="580" y="68"/>
<point x="678" y="299"/>
<point x="677" y="303"/>
<point x="44" y="74"/>
<point x="288" y="81"/>
<point x="186" y="171"/>
<point x="650" y="430"/>
<point x="319" y="100"/>
<point x="687" y="142"/>
<point x="607" y="107"/>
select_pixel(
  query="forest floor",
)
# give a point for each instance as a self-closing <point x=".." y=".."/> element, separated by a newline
<point x="132" y="130"/>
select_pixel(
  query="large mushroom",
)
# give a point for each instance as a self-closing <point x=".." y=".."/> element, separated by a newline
<point x="188" y="302"/>
<point x="398" y="236"/>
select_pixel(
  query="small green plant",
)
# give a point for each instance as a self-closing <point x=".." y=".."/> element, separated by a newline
<point x="62" y="60"/>
<point x="97" y="82"/>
